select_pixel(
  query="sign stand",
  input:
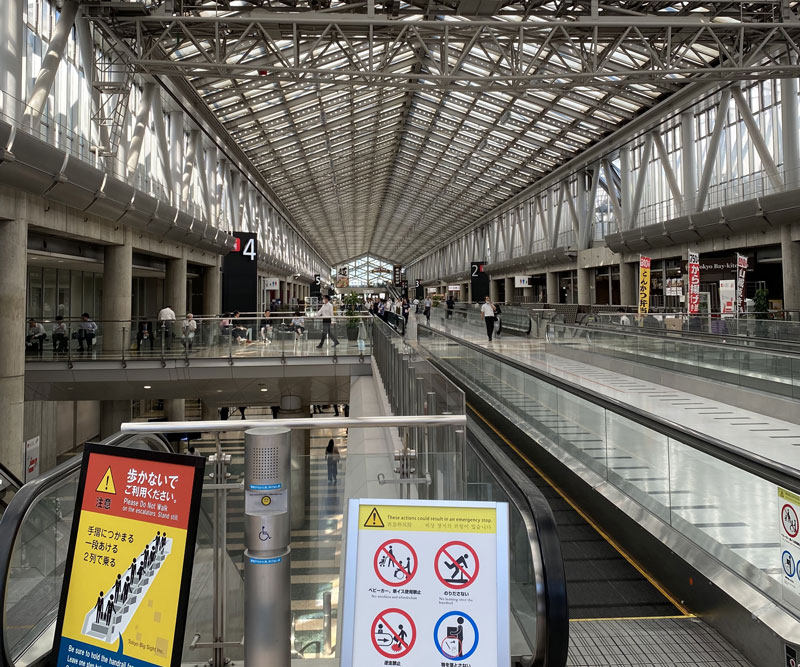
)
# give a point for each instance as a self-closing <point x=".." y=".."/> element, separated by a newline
<point x="426" y="583"/>
<point x="129" y="563"/>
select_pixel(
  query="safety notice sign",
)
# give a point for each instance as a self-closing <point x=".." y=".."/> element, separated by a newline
<point x="789" y="527"/>
<point x="426" y="583"/>
<point x="129" y="563"/>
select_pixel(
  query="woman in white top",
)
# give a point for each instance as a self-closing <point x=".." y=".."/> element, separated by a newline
<point x="487" y="313"/>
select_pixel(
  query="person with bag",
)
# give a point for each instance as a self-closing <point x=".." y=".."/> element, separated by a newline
<point x="488" y="314"/>
<point x="498" y="322"/>
<point x="332" y="459"/>
<point x="86" y="332"/>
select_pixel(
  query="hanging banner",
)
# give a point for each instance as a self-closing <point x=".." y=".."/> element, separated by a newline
<point x="129" y="563"/>
<point x="644" y="284"/>
<point x="741" y="271"/>
<point x="694" y="282"/>
<point x="397" y="275"/>
<point x="427" y="583"/>
<point x="342" y="279"/>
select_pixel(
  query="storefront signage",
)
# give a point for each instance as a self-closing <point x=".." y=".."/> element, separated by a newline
<point x="741" y="271"/>
<point x="454" y="288"/>
<point x="727" y="296"/>
<point x="427" y="583"/>
<point x="644" y="284"/>
<point x="694" y="282"/>
<point x="129" y="563"/>
<point x="342" y="278"/>
<point x="522" y="281"/>
<point x="272" y="283"/>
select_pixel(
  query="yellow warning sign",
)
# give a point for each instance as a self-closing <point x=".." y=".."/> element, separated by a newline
<point x="421" y="518"/>
<point x="106" y="484"/>
<point x="374" y="519"/>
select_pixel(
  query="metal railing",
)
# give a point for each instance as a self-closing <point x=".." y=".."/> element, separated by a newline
<point x="279" y="335"/>
<point x="590" y="432"/>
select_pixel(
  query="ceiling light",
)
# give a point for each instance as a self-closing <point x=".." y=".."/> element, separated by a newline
<point x="265" y="389"/>
<point x="147" y="386"/>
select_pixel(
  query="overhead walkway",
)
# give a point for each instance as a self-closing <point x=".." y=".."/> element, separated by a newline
<point x="695" y="514"/>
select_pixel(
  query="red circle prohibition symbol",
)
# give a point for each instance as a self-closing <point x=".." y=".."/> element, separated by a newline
<point x="462" y="573"/>
<point x="393" y="633"/>
<point x="788" y="508"/>
<point x="383" y="550"/>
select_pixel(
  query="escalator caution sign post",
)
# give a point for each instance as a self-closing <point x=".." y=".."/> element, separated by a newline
<point x="129" y="562"/>
<point x="426" y="581"/>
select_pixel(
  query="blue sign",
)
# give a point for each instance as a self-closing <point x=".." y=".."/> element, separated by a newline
<point x="456" y="635"/>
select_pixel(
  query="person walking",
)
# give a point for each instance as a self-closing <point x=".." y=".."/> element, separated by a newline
<point x="488" y="315"/>
<point x="332" y="458"/>
<point x="427" y="311"/>
<point x="326" y="313"/>
<point x="166" y="321"/>
<point x="189" y="328"/>
<point x="86" y="332"/>
<point x="405" y="309"/>
<point x="451" y="304"/>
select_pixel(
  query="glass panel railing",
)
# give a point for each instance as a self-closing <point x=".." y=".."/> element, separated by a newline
<point x="719" y="497"/>
<point x="766" y="370"/>
<point x="280" y="335"/>
<point x="35" y="534"/>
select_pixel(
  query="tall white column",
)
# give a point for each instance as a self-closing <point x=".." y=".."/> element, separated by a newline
<point x="789" y="130"/>
<point x="175" y="155"/>
<point x="12" y="46"/>
<point x="688" y="162"/>
<point x="117" y="289"/>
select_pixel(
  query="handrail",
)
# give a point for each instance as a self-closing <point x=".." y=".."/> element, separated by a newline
<point x="699" y="336"/>
<point x="18" y="508"/>
<point x="772" y="471"/>
<point x="552" y="610"/>
<point x="10" y="476"/>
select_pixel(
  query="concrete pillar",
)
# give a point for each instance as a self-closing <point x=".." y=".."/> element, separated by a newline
<point x="628" y="284"/>
<point x="117" y="289"/>
<point x="175" y="286"/>
<point x="112" y="414"/>
<point x="688" y="162"/>
<point x="790" y="256"/>
<point x="469" y="292"/>
<point x="12" y="47"/>
<point x="509" y="287"/>
<point x="493" y="290"/>
<point x="13" y="270"/>
<point x="175" y="409"/>
<point x="212" y="291"/>
<point x="585" y="292"/>
<point x="292" y="408"/>
<point x="552" y="287"/>
<point x="209" y="411"/>
<point x="527" y="294"/>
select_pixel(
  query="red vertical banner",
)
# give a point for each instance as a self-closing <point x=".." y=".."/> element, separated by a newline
<point x="694" y="283"/>
<point x="741" y="271"/>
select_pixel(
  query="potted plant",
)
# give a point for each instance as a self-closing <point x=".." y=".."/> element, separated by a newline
<point x="350" y="303"/>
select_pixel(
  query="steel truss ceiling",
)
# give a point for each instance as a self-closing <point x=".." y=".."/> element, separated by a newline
<point x="388" y="133"/>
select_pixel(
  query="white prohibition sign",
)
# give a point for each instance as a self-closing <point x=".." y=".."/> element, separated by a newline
<point x="395" y="563"/>
<point x="789" y="519"/>
<point x="457" y="564"/>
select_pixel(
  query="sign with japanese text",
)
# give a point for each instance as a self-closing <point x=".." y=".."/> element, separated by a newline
<point x="741" y="271"/>
<point x="694" y="283"/>
<point x="32" y="458"/>
<point x="397" y="274"/>
<point x="427" y="583"/>
<point x="789" y="527"/>
<point x="644" y="284"/>
<point x="129" y="564"/>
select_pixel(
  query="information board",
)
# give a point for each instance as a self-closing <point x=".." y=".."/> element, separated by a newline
<point x="129" y="563"/>
<point x="426" y="583"/>
<point x="479" y="281"/>
<point x="240" y="275"/>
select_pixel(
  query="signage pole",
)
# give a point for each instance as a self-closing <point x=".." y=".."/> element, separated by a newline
<point x="267" y="604"/>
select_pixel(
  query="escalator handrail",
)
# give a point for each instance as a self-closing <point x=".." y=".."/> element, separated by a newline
<point x="11" y="477"/>
<point x="643" y="332"/>
<point x="750" y="462"/>
<point x="14" y="516"/>
<point x="730" y="340"/>
<point x="552" y="608"/>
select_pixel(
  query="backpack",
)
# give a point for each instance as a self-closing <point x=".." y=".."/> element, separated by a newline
<point x="497" y="310"/>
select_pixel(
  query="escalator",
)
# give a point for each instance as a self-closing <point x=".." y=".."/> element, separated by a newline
<point x="601" y="579"/>
<point x="654" y="519"/>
